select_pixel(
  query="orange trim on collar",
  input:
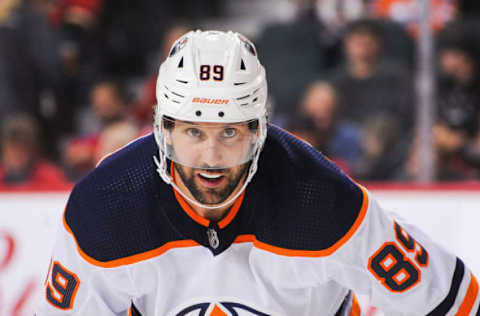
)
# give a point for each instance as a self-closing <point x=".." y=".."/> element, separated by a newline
<point x="201" y="220"/>
<point x="190" y="212"/>
<point x="232" y="213"/>
<point x="143" y="255"/>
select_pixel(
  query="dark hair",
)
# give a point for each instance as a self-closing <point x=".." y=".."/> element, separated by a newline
<point x="369" y="26"/>
<point x="457" y="37"/>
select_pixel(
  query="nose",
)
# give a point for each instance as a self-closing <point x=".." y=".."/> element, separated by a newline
<point x="212" y="155"/>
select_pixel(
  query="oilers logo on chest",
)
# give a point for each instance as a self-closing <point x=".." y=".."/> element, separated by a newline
<point x="224" y="308"/>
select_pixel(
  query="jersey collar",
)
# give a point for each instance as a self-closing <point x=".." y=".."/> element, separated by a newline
<point x="232" y="212"/>
<point x="190" y="225"/>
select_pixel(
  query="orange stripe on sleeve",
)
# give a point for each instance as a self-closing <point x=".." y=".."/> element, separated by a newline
<point x="470" y="297"/>
<point x="323" y="252"/>
<point x="355" y="311"/>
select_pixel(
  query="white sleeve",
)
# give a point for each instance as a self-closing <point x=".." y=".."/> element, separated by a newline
<point x="401" y="269"/>
<point x="75" y="286"/>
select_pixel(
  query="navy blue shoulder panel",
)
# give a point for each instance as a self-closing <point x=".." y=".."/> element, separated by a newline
<point x="113" y="211"/>
<point x="306" y="201"/>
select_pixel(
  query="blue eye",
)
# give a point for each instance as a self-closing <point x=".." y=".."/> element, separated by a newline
<point x="193" y="132"/>
<point x="229" y="132"/>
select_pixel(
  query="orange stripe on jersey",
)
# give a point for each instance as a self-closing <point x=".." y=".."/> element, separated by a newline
<point x="134" y="258"/>
<point x="244" y="238"/>
<point x="470" y="298"/>
<point x="233" y="212"/>
<point x="190" y="212"/>
<point x="323" y="252"/>
<point x="129" y="312"/>
<point x="355" y="311"/>
<point x="144" y="255"/>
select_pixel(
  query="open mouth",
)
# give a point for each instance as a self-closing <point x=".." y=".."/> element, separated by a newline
<point x="210" y="180"/>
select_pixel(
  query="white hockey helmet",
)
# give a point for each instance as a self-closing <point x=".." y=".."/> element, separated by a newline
<point x="211" y="77"/>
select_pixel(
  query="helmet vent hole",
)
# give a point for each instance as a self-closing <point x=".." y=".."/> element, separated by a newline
<point x="221" y="114"/>
<point x="198" y="113"/>
<point x="182" y="81"/>
<point x="177" y="94"/>
<point x="166" y="96"/>
<point x="244" y="97"/>
<point x="180" y="64"/>
<point x="242" y="65"/>
<point x="254" y="100"/>
<point x="239" y="83"/>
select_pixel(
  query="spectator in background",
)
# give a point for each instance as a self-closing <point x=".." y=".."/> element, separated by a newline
<point x="457" y="133"/>
<point x="373" y="89"/>
<point x="321" y="126"/>
<point x="29" y="67"/>
<point x="21" y="162"/>
<point x="109" y="111"/>
<point x="384" y="149"/>
<point x="459" y="77"/>
<point x="79" y="49"/>
<point x="450" y="164"/>
<point x="113" y="137"/>
<point x="132" y="31"/>
<point x="143" y="109"/>
<point x="317" y="50"/>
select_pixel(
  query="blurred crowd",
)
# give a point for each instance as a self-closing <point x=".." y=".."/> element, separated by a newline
<point x="77" y="81"/>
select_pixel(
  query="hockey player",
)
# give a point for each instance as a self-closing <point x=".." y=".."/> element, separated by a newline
<point x="245" y="219"/>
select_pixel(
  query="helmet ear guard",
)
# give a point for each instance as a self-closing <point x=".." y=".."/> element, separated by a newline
<point x="210" y="77"/>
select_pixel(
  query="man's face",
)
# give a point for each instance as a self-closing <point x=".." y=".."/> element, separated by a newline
<point x="320" y="104"/>
<point x="362" y="46"/>
<point x="16" y="157"/>
<point x="211" y="158"/>
<point x="458" y="64"/>
<point x="105" y="101"/>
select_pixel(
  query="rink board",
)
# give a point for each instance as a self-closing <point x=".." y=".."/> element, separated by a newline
<point x="29" y="220"/>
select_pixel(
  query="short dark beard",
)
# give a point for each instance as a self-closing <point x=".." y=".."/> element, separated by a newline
<point x="232" y="183"/>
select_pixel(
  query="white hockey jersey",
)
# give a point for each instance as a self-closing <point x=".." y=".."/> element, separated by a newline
<point x="298" y="242"/>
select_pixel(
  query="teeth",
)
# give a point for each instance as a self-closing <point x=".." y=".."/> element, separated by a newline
<point x="210" y="176"/>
